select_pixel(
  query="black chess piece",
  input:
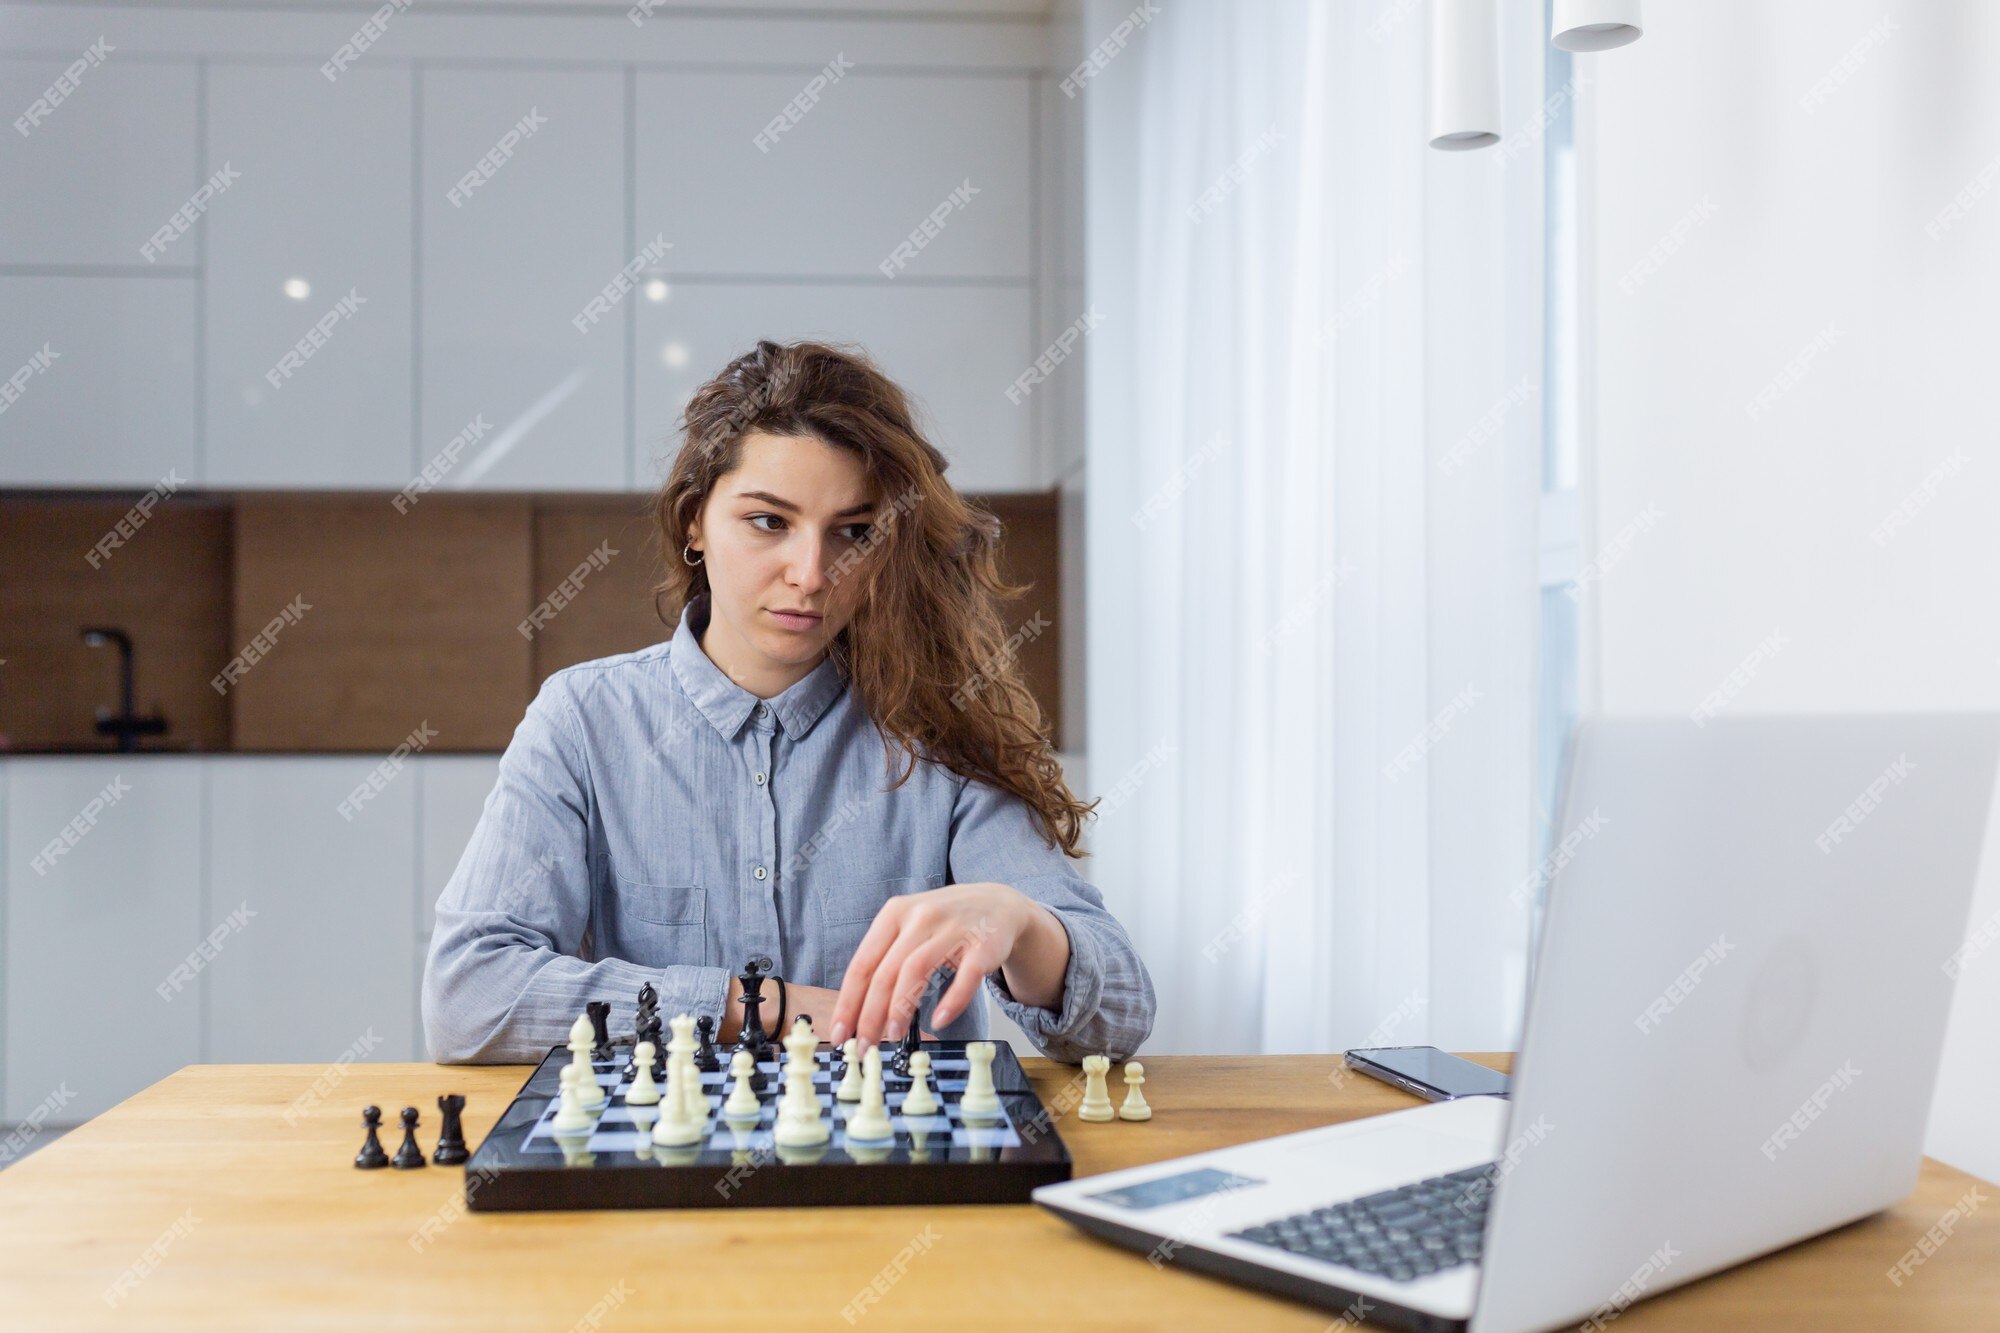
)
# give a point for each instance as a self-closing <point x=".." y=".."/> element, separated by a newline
<point x="409" y="1154"/>
<point x="371" y="1154"/>
<point x="705" y="1058"/>
<point x="900" y="1061"/>
<point x="451" y="1135"/>
<point x="655" y="1034"/>
<point x="753" y="1037"/>
<point x="600" y="1028"/>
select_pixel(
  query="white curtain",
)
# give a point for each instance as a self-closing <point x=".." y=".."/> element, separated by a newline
<point x="1311" y="524"/>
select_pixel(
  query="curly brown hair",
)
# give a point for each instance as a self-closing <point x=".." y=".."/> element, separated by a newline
<point x="925" y="650"/>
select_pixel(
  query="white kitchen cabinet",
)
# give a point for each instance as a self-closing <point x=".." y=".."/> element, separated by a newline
<point x="327" y="965"/>
<point x="518" y="236"/>
<point x="955" y="349"/>
<point x="109" y="400"/>
<point x="318" y="214"/>
<point x="94" y="931"/>
<point x="92" y="170"/>
<point x="836" y="192"/>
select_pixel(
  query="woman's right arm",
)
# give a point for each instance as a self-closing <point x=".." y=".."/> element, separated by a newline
<point x="505" y="979"/>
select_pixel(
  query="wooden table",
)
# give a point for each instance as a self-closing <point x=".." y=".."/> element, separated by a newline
<point x="214" y="1213"/>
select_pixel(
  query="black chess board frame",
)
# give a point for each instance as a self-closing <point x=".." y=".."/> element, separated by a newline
<point x="517" y="1169"/>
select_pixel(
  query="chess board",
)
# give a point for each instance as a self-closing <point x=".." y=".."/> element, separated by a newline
<point x="525" y="1164"/>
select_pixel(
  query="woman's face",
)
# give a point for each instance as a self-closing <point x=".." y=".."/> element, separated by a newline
<point x="773" y="533"/>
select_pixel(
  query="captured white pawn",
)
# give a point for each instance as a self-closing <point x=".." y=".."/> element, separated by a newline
<point x="871" y="1121"/>
<point x="742" y="1103"/>
<point x="1096" y="1091"/>
<point x="850" y="1080"/>
<point x="920" y="1101"/>
<point x="570" y="1114"/>
<point x="979" y="1101"/>
<point x="643" y="1092"/>
<point x="1135" y="1107"/>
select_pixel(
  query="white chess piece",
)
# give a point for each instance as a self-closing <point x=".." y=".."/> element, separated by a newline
<point x="850" y="1081"/>
<point x="694" y="1102"/>
<point x="979" y="1101"/>
<point x="799" y="1124"/>
<point x="920" y="1101"/>
<point x="871" y="1121"/>
<point x="683" y="1120"/>
<point x="1096" y="1091"/>
<point x="1135" y="1107"/>
<point x="742" y="1102"/>
<point x="571" y="1115"/>
<point x="581" y="1034"/>
<point x="643" y="1092"/>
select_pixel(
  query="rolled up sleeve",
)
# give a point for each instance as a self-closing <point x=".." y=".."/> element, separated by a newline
<point x="1107" y="1004"/>
<point x="505" y="978"/>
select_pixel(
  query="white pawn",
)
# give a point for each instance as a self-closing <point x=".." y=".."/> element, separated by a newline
<point x="920" y="1101"/>
<point x="571" y="1115"/>
<point x="979" y="1101"/>
<point x="1135" y="1107"/>
<point x="742" y="1102"/>
<point x="1096" y="1091"/>
<point x="644" y="1092"/>
<point x="850" y="1082"/>
<point x="581" y="1035"/>
<point x="871" y="1121"/>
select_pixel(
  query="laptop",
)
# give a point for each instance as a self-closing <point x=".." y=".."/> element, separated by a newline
<point x="1731" y="1040"/>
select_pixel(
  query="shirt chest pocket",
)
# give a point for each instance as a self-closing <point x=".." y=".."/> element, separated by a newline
<point x="857" y="901"/>
<point x="668" y="921"/>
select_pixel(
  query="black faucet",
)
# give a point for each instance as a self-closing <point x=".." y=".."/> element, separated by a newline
<point x="126" y="725"/>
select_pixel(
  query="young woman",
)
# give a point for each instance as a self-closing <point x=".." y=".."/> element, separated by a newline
<point x="833" y="764"/>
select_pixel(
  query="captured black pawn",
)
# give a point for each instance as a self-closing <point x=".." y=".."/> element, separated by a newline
<point x="409" y="1154"/>
<point x="371" y="1154"/>
<point x="451" y="1136"/>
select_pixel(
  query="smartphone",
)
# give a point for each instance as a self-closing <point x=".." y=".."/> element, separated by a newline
<point x="1434" y="1075"/>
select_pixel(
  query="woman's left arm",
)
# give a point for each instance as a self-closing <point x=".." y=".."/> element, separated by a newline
<point x="1021" y="919"/>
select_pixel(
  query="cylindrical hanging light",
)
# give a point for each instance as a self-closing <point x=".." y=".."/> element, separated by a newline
<point x="1465" y="74"/>
<point x="1594" y="25"/>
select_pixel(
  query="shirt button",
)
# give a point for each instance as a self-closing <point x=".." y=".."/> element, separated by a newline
<point x="759" y="779"/>
<point x="759" y="872"/>
<point x="761" y="710"/>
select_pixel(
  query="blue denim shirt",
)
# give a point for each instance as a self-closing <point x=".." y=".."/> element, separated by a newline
<point x="655" y="822"/>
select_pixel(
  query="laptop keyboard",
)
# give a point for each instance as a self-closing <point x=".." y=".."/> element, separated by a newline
<point x="1402" y="1234"/>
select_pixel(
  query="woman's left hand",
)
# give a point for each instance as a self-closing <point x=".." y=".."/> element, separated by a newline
<point x="974" y="927"/>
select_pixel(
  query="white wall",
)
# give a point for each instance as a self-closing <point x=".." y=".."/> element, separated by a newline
<point x="1786" y="160"/>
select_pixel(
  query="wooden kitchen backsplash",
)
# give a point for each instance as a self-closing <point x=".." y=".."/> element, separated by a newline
<point x="379" y="622"/>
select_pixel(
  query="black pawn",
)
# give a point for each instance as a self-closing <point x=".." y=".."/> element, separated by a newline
<point x="705" y="1058"/>
<point x="600" y="1027"/>
<point x="371" y="1154"/>
<point x="451" y="1136"/>
<point x="900" y="1061"/>
<point x="409" y="1154"/>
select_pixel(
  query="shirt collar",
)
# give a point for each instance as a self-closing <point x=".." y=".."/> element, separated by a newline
<point x="725" y="703"/>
